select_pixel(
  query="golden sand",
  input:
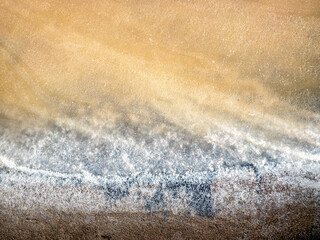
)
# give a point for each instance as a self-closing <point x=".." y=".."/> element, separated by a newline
<point x="198" y="63"/>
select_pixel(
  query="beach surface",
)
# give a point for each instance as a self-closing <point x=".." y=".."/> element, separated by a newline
<point x="186" y="119"/>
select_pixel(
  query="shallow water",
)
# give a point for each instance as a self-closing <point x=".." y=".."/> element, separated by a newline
<point x="158" y="89"/>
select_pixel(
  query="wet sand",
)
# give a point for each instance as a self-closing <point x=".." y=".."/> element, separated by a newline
<point x="296" y="220"/>
<point x="183" y="119"/>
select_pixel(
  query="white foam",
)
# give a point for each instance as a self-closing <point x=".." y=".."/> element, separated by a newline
<point x="86" y="176"/>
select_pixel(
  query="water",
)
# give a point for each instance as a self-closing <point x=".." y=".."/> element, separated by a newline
<point x="137" y="106"/>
